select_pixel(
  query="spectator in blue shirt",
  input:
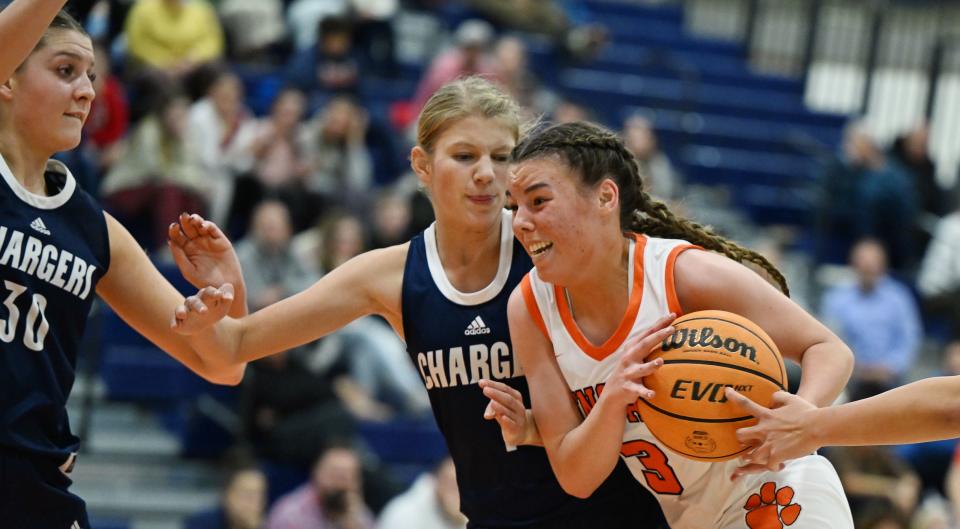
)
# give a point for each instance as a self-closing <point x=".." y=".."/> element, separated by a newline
<point x="878" y="317"/>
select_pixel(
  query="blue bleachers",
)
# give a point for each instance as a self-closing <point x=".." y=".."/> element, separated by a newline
<point x="665" y="13"/>
<point x="133" y="369"/>
<point x="609" y="92"/>
<point x="675" y="129"/>
<point x="633" y="30"/>
<point x="720" y="122"/>
<point x="409" y="448"/>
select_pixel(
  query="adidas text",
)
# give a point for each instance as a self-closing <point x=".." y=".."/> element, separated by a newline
<point x="477" y="326"/>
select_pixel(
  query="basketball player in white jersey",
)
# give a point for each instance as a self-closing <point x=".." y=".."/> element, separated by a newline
<point x="611" y="272"/>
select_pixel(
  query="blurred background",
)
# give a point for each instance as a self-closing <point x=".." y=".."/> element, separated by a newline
<point x="824" y="133"/>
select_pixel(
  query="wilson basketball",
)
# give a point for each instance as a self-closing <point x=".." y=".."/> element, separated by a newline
<point x="709" y="351"/>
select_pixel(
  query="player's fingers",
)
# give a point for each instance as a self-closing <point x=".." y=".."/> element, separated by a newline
<point x="179" y="256"/>
<point x="749" y="435"/>
<point x="637" y="372"/>
<point x="213" y="296"/>
<point x="639" y="390"/>
<point x="189" y="225"/>
<point x="195" y="304"/>
<point x="649" y="342"/>
<point x="503" y="413"/>
<point x="507" y="422"/>
<point x="659" y="325"/>
<point x="210" y="229"/>
<point x="782" y="398"/>
<point x="744" y="403"/>
<point x="748" y="469"/>
<point x="501" y="387"/>
<point x="175" y="234"/>
<point x="488" y="412"/>
<point x="758" y="455"/>
<point x="648" y="368"/>
<point x="179" y="315"/>
<point x="507" y="407"/>
<point x="503" y="398"/>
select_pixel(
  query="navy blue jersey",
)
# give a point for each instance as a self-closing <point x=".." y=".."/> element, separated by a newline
<point x="455" y="339"/>
<point x="53" y="250"/>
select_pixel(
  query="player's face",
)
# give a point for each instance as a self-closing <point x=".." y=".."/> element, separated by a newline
<point x="554" y="217"/>
<point x="467" y="172"/>
<point x="49" y="97"/>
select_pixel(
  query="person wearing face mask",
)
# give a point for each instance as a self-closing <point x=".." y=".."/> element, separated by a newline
<point x="331" y="499"/>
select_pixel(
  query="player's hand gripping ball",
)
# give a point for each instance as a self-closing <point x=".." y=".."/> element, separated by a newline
<point x="709" y="351"/>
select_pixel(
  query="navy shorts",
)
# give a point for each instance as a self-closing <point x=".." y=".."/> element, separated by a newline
<point x="35" y="496"/>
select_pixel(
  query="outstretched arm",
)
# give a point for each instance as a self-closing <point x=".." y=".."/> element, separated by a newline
<point x="22" y="23"/>
<point x="143" y="298"/>
<point x="206" y="257"/>
<point x="926" y="410"/>
<point x="582" y="452"/>
<point x="369" y="283"/>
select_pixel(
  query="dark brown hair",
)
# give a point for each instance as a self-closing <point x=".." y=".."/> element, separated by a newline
<point x="63" y="21"/>
<point x="597" y="153"/>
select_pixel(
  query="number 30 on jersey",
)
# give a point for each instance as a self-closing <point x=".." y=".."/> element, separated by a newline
<point x="33" y="332"/>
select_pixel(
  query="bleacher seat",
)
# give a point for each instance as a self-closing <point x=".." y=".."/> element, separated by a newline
<point x="407" y="447"/>
<point x="133" y="369"/>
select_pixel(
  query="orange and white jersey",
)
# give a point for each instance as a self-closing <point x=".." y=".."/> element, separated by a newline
<point x="693" y="494"/>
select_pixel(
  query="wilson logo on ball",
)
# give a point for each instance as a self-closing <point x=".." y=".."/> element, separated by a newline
<point x="708" y="338"/>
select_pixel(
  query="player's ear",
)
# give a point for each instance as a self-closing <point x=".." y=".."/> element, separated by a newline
<point x="608" y="197"/>
<point x="6" y="90"/>
<point x="420" y="162"/>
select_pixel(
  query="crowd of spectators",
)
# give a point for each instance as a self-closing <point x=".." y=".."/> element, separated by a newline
<point x="287" y="122"/>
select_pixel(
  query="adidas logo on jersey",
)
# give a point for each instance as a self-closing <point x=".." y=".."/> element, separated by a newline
<point x="76" y="525"/>
<point x="38" y="225"/>
<point x="476" y="327"/>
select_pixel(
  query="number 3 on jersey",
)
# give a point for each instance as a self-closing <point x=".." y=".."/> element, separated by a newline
<point x="33" y="335"/>
<point x="660" y="477"/>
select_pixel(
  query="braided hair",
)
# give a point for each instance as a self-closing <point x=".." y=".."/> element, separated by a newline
<point x="597" y="153"/>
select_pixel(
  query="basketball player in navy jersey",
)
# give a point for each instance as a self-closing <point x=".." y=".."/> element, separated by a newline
<point x="57" y="250"/>
<point x="445" y="293"/>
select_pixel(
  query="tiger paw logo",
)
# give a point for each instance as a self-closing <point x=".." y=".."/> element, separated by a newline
<point x="771" y="508"/>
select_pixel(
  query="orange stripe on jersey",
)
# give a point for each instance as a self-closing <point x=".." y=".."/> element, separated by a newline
<point x="629" y="318"/>
<point x="673" y="302"/>
<point x="532" y="307"/>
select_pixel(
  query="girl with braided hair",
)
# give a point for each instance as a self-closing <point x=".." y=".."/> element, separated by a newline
<point x="445" y="293"/>
<point x="613" y="268"/>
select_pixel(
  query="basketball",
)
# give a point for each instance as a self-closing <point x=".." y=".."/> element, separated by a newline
<point x="709" y="351"/>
